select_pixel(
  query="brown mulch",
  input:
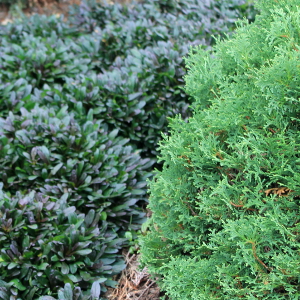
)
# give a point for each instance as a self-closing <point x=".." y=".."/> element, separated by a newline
<point x="45" y="7"/>
<point x="3" y="12"/>
<point x="42" y="7"/>
<point x="134" y="284"/>
<point x="50" y="7"/>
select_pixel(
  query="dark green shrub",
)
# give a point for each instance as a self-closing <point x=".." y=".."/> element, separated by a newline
<point x="56" y="154"/>
<point x="225" y="221"/>
<point x="68" y="294"/>
<point x="13" y="2"/>
<point x="46" y="243"/>
<point x="142" y="23"/>
<point x="39" y="26"/>
<point x="78" y="190"/>
<point x="125" y="62"/>
<point x="136" y="96"/>
<point x="42" y="60"/>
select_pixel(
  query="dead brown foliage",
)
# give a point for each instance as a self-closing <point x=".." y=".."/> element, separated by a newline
<point x="134" y="284"/>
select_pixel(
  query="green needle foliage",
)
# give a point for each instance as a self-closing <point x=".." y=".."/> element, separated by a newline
<point x="225" y="221"/>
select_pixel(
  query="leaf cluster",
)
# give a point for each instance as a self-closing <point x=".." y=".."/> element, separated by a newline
<point x="73" y="190"/>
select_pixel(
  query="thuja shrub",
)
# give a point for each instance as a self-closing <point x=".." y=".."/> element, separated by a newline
<point x="225" y="221"/>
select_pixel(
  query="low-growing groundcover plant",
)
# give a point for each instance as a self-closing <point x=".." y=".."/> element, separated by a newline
<point x="70" y="191"/>
<point x="125" y="62"/>
<point x="226" y="220"/>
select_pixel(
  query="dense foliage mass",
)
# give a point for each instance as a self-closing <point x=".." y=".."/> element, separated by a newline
<point x="225" y="221"/>
<point x="125" y="62"/>
<point x="72" y="191"/>
<point x="82" y="106"/>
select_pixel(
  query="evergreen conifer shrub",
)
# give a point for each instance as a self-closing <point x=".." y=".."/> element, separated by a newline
<point x="225" y="221"/>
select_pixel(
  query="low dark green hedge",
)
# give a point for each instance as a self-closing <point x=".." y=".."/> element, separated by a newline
<point x="12" y="2"/>
<point x="78" y="190"/>
<point x="76" y="157"/>
<point x="45" y="243"/>
<point x="128" y="57"/>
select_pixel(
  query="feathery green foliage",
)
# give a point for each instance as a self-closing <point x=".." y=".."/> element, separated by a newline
<point x="225" y="221"/>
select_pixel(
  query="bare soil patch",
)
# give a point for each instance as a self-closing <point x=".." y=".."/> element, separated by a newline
<point x="42" y="7"/>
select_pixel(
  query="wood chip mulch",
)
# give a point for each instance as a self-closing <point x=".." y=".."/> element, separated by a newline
<point x="134" y="284"/>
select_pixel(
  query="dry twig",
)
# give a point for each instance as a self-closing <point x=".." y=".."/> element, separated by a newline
<point x="133" y="283"/>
